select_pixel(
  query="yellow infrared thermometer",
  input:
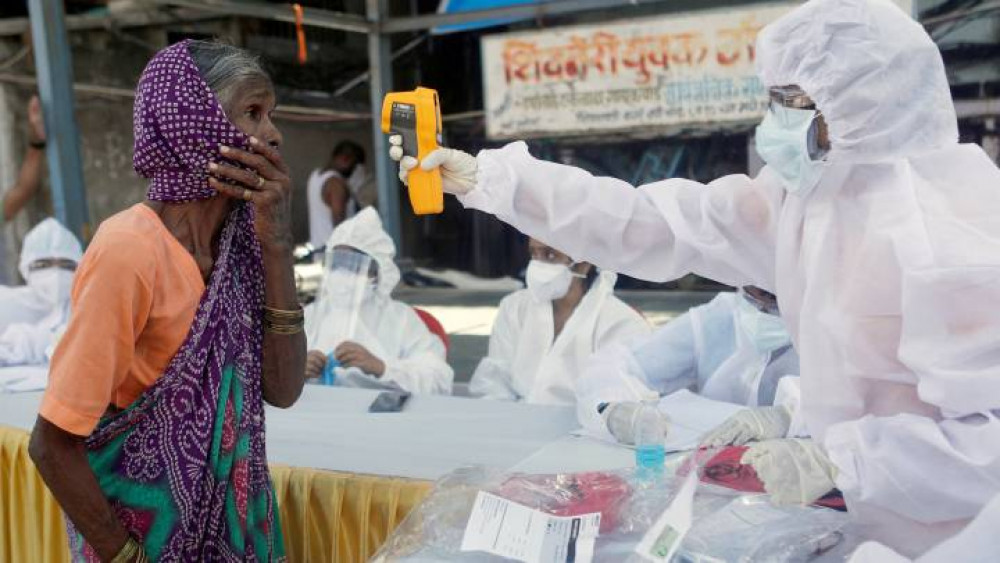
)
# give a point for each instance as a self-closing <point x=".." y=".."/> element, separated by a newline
<point x="416" y="117"/>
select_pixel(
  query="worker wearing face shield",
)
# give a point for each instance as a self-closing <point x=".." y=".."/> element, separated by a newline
<point x="734" y="349"/>
<point x="357" y="330"/>
<point x="884" y="254"/>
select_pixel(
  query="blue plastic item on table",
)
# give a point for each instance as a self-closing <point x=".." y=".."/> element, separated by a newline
<point x="329" y="375"/>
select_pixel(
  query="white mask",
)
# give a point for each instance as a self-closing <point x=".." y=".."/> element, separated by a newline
<point x="52" y="285"/>
<point x="549" y="282"/>
<point x="766" y="332"/>
<point x="783" y="142"/>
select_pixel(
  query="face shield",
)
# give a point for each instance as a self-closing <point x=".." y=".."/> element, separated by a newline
<point x="349" y="278"/>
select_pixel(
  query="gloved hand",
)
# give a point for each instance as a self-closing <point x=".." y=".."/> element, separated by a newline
<point x="794" y="471"/>
<point x="763" y="423"/>
<point x="620" y="419"/>
<point x="458" y="168"/>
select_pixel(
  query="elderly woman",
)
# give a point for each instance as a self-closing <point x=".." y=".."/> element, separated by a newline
<point x="151" y="433"/>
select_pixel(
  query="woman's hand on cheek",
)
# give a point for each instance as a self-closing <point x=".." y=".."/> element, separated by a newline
<point x="265" y="183"/>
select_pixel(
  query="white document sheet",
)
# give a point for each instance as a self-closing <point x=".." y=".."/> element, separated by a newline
<point x="691" y="416"/>
<point x="501" y="527"/>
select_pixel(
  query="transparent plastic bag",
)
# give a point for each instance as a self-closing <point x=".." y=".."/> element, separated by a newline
<point x="434" y="530"/>
<point x="629" y="506"/>
<point x="751" y="529"/>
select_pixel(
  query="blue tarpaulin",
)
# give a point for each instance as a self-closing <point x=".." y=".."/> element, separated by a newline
<point x="455" y="6"/>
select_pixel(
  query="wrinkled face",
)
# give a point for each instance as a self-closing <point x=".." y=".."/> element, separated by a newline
<point x="538" y="250"/>
<point x="250" y="106"/>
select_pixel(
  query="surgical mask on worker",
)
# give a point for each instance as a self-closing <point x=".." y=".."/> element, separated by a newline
<point x="766" y="332"/>
<point x="783" y="140"/>
<point x="52" y="285"/>
<point x="549" y="282"/>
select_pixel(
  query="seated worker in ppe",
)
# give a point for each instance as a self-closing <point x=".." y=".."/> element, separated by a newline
<point x="734" y="349"/>
<point x="543" y="335"/>
<point x="879" y="233"/>
<point x="32" y="316"/>
<point x="374" y="339"/>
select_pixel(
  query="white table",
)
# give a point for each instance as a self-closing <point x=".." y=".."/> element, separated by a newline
<point x="331" y="428"/>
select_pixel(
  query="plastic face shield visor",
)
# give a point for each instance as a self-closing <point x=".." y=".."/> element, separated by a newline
<point x="351" y="260"/>
<point x="793" y="97"/>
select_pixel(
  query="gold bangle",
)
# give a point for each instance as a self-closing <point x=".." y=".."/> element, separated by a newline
<point x="284" y="328"/>
<point x="282" y="331"/>
<point x="129" y="552"/>
<point x="283" y="314"/>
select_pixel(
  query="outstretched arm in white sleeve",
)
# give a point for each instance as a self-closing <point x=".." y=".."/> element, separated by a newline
<point x="724" y="230"/>
<point x="661" y="231"/>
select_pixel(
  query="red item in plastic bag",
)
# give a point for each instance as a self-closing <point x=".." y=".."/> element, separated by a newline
<point x="725" y="469"/>
<point x="570" y="494"/>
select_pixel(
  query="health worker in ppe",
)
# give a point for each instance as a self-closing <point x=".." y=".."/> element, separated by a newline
<point x="881" y="241"/>
<point x="33" y="316"/>
<point x="734" y="349"/>
<point x="544" y="334"/>
<point x="374" y="340"/>
<point x="976" y="543"/>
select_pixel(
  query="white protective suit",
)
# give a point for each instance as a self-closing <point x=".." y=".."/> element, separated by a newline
<point x="704" y="350"/>
<point x="979" y="542"/>
<point x="414" y="357"/>
<point x="886" y="273"/>
<point x="525" y="362"/>
<point x="33" y="316"/>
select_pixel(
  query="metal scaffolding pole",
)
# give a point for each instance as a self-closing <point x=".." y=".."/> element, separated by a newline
<point x="55" y="87"/>
<point x="380" y="80"/>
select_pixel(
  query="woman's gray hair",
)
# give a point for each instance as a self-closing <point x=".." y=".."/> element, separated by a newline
<point x="224" y="67"/>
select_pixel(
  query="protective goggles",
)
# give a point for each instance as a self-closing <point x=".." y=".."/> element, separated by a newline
<point x="793" y="97"/>
<point x="46" y="263"/>
<point x="790" y="97"/>
<point x="767" y="306"/>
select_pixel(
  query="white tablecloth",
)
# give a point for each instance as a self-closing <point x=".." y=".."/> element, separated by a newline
<point x="331" y="428"/>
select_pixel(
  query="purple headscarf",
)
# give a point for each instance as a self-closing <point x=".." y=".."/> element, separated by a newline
<point x="184" y="466"/>
<point x="178" y="124"/>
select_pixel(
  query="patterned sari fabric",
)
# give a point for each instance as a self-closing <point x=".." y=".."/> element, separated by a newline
<point x="184" y="467"/>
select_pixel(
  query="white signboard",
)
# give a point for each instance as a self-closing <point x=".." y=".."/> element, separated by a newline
<point x="655" y="73"/>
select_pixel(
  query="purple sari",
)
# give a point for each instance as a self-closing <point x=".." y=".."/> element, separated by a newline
<point x="184" y="466"/>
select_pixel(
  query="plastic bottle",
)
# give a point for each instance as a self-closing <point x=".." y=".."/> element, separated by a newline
<point x="650" y="434"/>
<point x="329" y="375"/>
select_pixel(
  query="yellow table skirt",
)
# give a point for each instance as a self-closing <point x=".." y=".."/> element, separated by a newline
<point x="325" y="515"/>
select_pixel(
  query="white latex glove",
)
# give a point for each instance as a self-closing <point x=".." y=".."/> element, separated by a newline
<point x="620" y="419"/>
<point x="763" y="423"/>
<point x="458" y="168"/>
<point x="793" y="471"/>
